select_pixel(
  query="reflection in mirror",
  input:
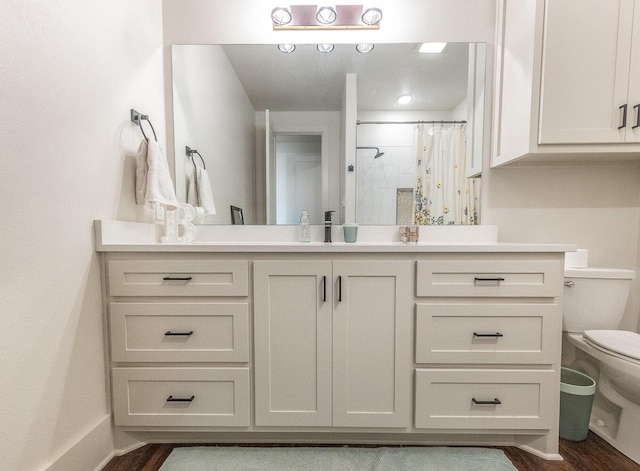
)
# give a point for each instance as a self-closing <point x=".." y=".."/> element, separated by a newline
<point x="244" y="107"/>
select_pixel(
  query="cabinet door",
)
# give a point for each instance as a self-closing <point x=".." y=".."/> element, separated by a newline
<point x="292" y="322"/>
<point x="585" y="71"/>
<point x="371" y="344"/>
<point x="633" y="120"/>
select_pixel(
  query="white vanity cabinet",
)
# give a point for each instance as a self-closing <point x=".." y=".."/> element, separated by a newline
<point x="488" y="336"/>
<point x="567" y="79"/>
<point x="332" y="343"/>
<point x="179" y="341"/>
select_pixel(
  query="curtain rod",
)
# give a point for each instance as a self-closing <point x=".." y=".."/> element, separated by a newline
<point x="411" y="122"/>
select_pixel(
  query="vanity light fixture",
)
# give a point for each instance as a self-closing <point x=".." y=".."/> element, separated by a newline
<point x="326" y="14"/>
<point x="432" y="48"/>
<point x="287" y="48"/>
<point x="364" y="48"/>
<point x="404" y="99"/>
<point x="325" y="48"/>
<point x="372" y="16"/>
<point x="318" y="17"/>
<point x="281" y="16"/>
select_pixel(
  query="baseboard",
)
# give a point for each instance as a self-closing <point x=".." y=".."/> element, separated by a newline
<point x="91" y="452"/>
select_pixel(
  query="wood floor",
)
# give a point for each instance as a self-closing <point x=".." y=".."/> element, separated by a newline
<point x="593" y="454"/>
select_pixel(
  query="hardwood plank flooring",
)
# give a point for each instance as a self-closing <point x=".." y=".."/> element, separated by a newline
<point x="593" y="454"/>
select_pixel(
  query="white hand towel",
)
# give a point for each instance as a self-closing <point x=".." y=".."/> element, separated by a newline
<point x="199" y="193"/>
<point x="153" y="179"/>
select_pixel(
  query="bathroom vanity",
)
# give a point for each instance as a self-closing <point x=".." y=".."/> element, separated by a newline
<point x="430" y="343"/>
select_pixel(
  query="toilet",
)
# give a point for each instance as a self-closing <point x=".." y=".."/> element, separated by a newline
<point x="594" y="301"/>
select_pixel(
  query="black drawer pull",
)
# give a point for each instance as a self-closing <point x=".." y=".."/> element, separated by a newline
<point x="169" y="333"/>
<point x="324" y="289"/>
<point x="180" y="399"/>
<point x="497" y="334"/>
<point x="495" y="402"/>
<point x="340" y="289"/>
<point x="624" y="116"/>
<point x="495" y="279"/>
<point x="177" y="278"/>
<point x="637" y="125"/>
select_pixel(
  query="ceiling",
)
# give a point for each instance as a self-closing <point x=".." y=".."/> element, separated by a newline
<point x="307" y="80"/>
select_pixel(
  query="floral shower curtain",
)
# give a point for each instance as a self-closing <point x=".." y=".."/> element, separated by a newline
<point x="443" y="195"/>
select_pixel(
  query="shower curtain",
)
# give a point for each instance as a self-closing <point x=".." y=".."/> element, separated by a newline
<point x="443" y="195"/>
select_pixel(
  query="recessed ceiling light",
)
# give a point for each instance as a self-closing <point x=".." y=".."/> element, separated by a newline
<point x="372" y="16"/>
<point x="364" y="48"/>
<point x="281" y="16"/>
<point x="287" y="48"/>
<point x="432" y="48"/>
<point x="404" y="99"/>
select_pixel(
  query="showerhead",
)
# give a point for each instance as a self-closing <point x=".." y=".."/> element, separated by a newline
<point x="377" y="149"/>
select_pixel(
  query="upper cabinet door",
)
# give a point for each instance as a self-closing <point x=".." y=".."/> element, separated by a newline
<point x="585" y="71"/>
<point x="633" y="120"/>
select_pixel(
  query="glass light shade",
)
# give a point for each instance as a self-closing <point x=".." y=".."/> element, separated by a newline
<point x="325" y="48"/>
<point x="364" y="48"/>
<point x="281" y="16"/>
<point x="287" y="48"/>
<point x="326" y="15"/>
<point x="372" y="16"/>
<point x="404" y="99"/>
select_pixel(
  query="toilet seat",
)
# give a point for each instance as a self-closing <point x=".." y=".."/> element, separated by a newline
<point x="620" y="343"/>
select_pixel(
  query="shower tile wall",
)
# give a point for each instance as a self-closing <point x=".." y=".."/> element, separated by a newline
<point x="378" y="180"/>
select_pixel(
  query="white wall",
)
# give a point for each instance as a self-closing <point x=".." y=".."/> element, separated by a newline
<point x="213" y="114"/>
<point x="70" y="72"/>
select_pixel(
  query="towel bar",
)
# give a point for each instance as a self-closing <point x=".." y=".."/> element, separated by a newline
<point x="137" y="118"/>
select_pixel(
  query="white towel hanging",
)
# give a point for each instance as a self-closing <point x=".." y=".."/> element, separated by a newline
<point x="199" y="192"/>
<point x="153" y="180"/>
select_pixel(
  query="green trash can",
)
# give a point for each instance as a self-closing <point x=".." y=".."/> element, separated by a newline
<point x="576" y="399"/>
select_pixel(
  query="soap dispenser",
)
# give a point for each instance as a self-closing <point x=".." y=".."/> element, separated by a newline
<point x="305" y="226"/>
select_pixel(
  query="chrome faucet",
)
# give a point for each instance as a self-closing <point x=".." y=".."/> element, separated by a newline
<point x="327" y="226"/>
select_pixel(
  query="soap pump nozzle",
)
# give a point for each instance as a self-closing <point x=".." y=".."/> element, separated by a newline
<point x="327" y="226"/>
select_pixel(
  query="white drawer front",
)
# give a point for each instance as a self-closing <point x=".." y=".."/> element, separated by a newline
<point x="181" y="396"/>
<point x="179" y="332"/>
<point x="524" y="399"/>
<point x="494" y="278"/>
<point x="488" y="333"/>
<point x="178" y="278"/>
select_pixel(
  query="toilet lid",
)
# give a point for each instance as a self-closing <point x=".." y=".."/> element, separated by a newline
<point x="622" y="342"/>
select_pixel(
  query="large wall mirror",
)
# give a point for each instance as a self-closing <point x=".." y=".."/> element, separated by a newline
<point x="279" y="132"/>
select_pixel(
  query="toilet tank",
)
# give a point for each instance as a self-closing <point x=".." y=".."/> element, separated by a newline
<point x="595" y="298"/>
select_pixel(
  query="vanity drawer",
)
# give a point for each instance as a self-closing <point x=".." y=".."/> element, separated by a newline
<point x="490" y="278"/>
<point x="179" y="332"/>
<point x="178" y="278"/>
<point x="206" y="397"/>
<point x="488" y="333"/>
<point x="507" y="399"/>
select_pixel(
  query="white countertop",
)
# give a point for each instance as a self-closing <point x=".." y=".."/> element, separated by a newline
<point x="120" y="236"/>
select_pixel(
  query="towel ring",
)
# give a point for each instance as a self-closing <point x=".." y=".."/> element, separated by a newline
<point x="137" y="118"/>
<point x="190" y="152"/>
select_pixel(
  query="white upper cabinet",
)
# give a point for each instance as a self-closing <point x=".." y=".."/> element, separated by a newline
<point x="566" y="79"/>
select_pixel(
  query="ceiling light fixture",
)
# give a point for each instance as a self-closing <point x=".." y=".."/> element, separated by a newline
<point x="364" y="48"/>
<point x="287" y="48"/>
<point x="372" y="16"/>
<point x="325" y="48"/>
<point x="326" y="15"/>
<point x="432" y="48"/>
<point x="281" y="16"/>
<point x="404" y="99"/>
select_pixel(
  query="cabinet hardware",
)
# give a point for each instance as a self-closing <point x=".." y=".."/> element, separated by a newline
<point x="340" y="289"/>
<point x="497" y="334"/>
<point x="177" y="278"/>
<point x="497" y="279"/>
<point x="168" y="333"/>
<point x="495" y="402"/>
<point x="570" y="284"/>
<point x="624" y="116"/>
<point x="324" y="289"/>
<point x="637" y="125"/>
<point x="180" y="399"/>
